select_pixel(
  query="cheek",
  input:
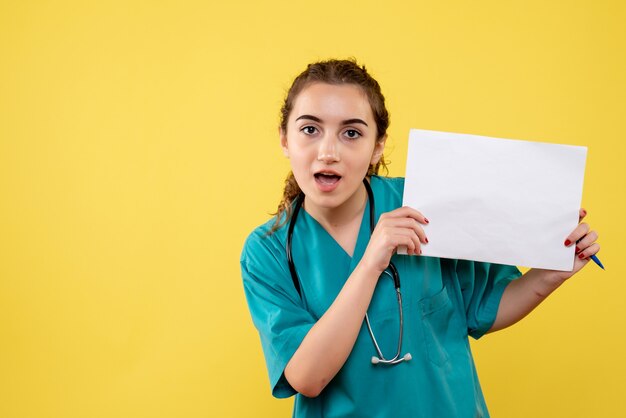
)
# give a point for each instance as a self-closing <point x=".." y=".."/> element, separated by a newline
<point x="300" y="163"/>
<point x="368" y="156"/>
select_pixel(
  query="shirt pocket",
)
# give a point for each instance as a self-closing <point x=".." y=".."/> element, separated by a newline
<point x="437" y="318"/>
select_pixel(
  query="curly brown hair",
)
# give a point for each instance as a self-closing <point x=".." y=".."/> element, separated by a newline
<point x="331" y="72"/>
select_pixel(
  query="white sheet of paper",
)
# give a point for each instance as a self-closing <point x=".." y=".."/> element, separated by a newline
<point x="495" y="200"/>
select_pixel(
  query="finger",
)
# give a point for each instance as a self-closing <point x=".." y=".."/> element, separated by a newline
<point x="410" y="246"/>
<point x="412" y="224"/>
<point x="581" y="214"/>
<point x="405" y="240"/>
<point x="406" y="211"/>
<point x="402" y="234"/>
<point x="586" y="241"/>
<point x="577" y="234"/>
<point x="406" y="223"/>
<point x="392" y="238"/>
<point x="589" y="251"/>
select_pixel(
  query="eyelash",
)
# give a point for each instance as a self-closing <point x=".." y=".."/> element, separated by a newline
<point x="306" y="128"/>
<point x="355" y="131"/>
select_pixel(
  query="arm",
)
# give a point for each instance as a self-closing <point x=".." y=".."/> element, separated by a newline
<point x="523" y="295"/>
<point x="328" y="344"/>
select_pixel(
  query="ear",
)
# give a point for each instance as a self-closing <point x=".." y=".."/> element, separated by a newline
<point x="378" y="150"/>
<point x="283" y="141"/>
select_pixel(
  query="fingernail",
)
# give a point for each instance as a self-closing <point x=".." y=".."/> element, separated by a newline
<point x="426" y="239"/>
<point x="577" y="250"/>
<point x="420" y="252"/>
<point x="584" y="212"/>
<point x="426" y="220"/>
<point x="581" y="255"/>
<point x="567" y="242"/>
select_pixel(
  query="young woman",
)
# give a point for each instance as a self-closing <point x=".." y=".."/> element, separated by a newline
<point x="328" y="258"/>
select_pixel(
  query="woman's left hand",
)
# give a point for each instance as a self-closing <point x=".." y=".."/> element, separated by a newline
<point x="523" y="295"/>
<point x="585" y="241"/>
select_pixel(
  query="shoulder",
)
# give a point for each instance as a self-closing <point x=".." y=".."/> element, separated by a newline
<point x="388" y="191"/>
<point x="389" y="182"/>
<point x="261" y="244"/>
<point x="264" y="265"/>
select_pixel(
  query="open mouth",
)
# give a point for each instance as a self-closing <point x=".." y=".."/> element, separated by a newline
<point x="327" y="178"/>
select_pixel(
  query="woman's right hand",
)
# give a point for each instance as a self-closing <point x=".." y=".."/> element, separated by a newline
<point x="400" y="227"/>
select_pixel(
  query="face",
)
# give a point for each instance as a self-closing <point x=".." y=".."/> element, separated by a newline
<point x="331" y="142"/>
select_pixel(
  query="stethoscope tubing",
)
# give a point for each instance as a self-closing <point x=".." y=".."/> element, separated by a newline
<point x="380" y="359"/>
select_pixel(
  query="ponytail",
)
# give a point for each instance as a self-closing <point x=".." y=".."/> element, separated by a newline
<point x="291" y="191"/>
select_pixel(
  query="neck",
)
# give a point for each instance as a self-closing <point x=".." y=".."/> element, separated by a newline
<point x="342" y="222"/>
<point x="348" y="212"/>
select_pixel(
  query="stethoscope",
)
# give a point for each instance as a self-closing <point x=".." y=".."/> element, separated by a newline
<point x="391" y="271"/>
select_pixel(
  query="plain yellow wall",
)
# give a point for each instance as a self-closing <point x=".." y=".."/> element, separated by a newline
<point x="138" y="148"/>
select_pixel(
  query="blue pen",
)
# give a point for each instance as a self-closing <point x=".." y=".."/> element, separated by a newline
<point x="597" y="261"/>
<point x="594" y="258"/>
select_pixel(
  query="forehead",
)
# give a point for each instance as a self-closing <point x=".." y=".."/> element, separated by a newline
<point x="333" y="101"/>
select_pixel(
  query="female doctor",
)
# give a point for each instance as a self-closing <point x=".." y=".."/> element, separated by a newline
<point x="309" y="297"/>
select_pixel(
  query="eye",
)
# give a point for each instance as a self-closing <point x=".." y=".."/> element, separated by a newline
<point x="352" y="133"/>
<point x="309" y="130"/>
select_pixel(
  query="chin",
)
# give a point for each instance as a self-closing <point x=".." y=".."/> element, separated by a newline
<point x="325" y="202"/>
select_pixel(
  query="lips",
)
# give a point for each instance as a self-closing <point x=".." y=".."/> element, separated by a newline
<point x="327" y="181"/>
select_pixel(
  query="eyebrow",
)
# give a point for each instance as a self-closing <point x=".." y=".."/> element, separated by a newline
<point x="345" y="122"/>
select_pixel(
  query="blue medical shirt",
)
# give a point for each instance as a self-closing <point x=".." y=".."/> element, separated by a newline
<point x="444" y="301"/>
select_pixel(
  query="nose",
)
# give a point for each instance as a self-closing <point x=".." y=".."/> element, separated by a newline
<point x="328" y="151"/>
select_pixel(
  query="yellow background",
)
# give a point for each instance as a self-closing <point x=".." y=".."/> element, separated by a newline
<point x="138" y="148"/>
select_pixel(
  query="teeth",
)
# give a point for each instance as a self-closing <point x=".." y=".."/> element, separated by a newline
<point x="328" y="179"/>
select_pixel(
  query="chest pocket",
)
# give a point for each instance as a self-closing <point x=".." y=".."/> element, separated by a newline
<point x="438" y="325"/>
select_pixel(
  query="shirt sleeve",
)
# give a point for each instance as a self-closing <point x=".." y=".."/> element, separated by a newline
<point x="482" y="285"/>
<point x="276" y="308"/>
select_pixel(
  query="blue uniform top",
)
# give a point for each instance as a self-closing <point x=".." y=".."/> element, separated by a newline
<point x="444" y="301"/>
